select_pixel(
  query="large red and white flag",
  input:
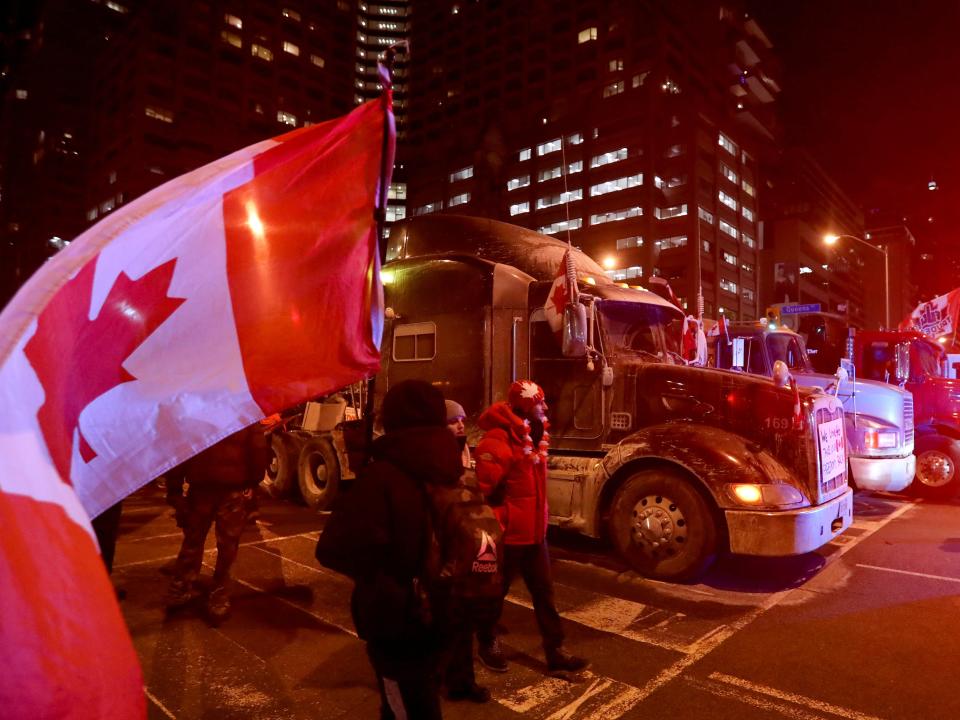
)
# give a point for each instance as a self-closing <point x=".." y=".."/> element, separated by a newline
<point x="229" y="293"/>
<point x="937" y="317"/>
<point x="563" y="292"/>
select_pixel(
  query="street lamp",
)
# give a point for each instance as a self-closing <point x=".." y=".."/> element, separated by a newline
<point x="832" y="240"/>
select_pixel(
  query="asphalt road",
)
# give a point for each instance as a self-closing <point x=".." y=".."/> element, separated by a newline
<point x="865" y="628"/>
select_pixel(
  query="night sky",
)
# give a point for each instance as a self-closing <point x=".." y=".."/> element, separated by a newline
<point x="872" y="89"/>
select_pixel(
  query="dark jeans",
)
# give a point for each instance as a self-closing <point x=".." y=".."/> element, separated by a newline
<point x="532" y="562"/>
<point x="105" y="526"/>
<point x="204" y="507"/>
<point x="407" y="681"/>
<point x="459" y="619"/>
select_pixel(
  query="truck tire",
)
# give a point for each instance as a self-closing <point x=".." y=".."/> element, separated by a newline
<point x="279" y="476"/>
<point x="938" y="468"/>
<point x="319" y="473"/>
<point x="662" y="526"/>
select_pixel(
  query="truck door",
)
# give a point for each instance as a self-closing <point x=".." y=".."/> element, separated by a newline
<point x="573" y="392"/>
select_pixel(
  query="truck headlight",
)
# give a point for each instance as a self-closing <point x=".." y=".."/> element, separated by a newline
<point x="879" y="439"/>
<point x="768" y="495"/>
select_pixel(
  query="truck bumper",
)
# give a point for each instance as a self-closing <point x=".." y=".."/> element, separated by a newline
<point x="884" y="474"/>
<point x="788" y="532"/>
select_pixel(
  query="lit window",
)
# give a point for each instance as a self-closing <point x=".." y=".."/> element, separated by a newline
<point x="728" y="285"/>
<point x="395" y="212"/>
<point x="616" y="185"/>
<point x="728" y="229"/>
<point x="615" y="215"/>
<point x="107" y="206"/>
<point x="547" y="147"/>
<point x="428" y="208"/>
<point x="524" y="154"/>
<point x="670" y="87"/>
<point x="561" y="226"/>
<point x="286" y="118"/>
<point x="290" y="14"/>
<point x="21" y="94"/>
<point x="705" y="215"/>
<point x="112" y="177"/>
<point x="608" y="157"/>
<point x="615" y="65"/>
<point x="747" y="213"/>
<point x="746" y="267"/>
<point x="116" y="7"/>
<point x="671" y="212"/>
<point x="520" y="208"/>
<point x="728" y="173"/>
<point x="261" y="52"/>
<point x="233" y="21"/>
<point x="92" y="213"/>
<point x="729" y="258"/>
<point x="551" y="200"/>
<point x="460" y="199"/>
<point x="290" y="48"/>
<point x="673" y="182"/>
<point x="462" y="174"/>
<point x="231" y="38"/>
<point x="613" y="89"/>
<point x="574" y="139"/>
<point x="727" y="200"/>
<point x="629" y="242"/>
<point x="748" y="188"/>
<point x="672" y="242"/>
<point x="159" y="114"/>
<point x="634" y="271"/>
<point x="748" y="294"/>
<point x="748" y="241"/>
<point x="518" y="182"/>
<point x="574" y="167"/>
<point x="317" y="60"/>
<point x="673" y="151"/>
<point x="638" y="80"/>
<point x="549" y="173"/>
<point x="707" y="246"/>
<point x="586" y="35"/>
<point x="727" y="144"/>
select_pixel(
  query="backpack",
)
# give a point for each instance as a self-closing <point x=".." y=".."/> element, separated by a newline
<point x="467" y="543"/>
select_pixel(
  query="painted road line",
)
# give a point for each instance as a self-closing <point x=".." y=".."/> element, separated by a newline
<point x="313" y="534"/>
<point x="592" y="697"/>
<point x="725" y="632"/>
<point x="153" y="698"/>
<point x="945" y="578"/>
<point x="628" y="619"/>
<point x="809" y="703"/>
<point x="772" y="706"/>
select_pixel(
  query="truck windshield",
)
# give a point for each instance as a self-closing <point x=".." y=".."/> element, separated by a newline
<point x="651" y="331"/>
<point x="788" y="348"/>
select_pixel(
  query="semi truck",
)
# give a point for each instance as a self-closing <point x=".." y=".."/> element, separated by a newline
<point x="672" y="463"/>
<point x="878" y="416"/>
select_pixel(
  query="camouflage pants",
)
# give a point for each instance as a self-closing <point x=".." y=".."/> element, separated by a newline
<point x="204" y="507"/>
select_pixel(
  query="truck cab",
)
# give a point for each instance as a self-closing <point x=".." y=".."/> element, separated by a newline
<point x="911" y="359"/>
<point x="878" y="416"/>
<point x="672" y="463"/>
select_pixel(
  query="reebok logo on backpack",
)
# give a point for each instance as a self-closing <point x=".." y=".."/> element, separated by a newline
<point x="466" y="539"/>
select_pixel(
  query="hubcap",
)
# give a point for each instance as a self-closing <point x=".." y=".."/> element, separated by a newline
<point x="319" y="471"/>
<point x="658" y="524"/>
<point x="274" y="466"/>
<point x="935" y="469"/>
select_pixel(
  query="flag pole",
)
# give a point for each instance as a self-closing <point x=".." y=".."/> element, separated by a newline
<point x="385" y="72"/>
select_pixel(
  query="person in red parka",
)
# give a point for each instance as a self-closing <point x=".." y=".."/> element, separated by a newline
<point x="511" y="467"/>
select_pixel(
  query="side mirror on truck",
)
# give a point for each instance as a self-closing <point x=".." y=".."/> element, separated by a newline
<point x="781" y="374"/>
<point x="575" y="330"/>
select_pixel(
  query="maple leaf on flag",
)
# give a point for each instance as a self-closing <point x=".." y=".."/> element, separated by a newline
<point x="77" y="359"/>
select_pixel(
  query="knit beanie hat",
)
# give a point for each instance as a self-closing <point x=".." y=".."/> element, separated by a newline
<point x="412" y="403"/>
<point x="523" y="395"/>
<point x="454" y="411"/>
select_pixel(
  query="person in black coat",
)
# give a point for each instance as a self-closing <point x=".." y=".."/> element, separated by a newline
<point x="379" y="534"/>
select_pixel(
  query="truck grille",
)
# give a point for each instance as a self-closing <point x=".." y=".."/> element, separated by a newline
<point x="908" y="420"/>
<point x="831" y="459"/>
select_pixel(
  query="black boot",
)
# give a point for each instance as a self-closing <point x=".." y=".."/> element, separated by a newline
<point x="560" y="662"/>
<point x="492" y="656"/>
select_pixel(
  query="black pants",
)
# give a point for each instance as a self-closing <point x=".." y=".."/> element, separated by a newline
<point x="407" y="681"/>
<point x="532" y="562"/>
<point x="105" y="526"/>
<point x="460" y="618"/>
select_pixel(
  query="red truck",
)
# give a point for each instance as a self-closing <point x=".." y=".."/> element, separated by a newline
<point x="913" y="360"/>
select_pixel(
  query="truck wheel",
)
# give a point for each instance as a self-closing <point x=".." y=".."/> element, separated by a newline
<point x="319" y="473"/>
<point x="662" y="526"/>
<point x="938" y="469"/>
<point x="281" y="470"/>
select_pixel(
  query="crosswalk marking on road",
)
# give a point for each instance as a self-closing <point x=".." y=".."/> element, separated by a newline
<point x="945" y="578"/>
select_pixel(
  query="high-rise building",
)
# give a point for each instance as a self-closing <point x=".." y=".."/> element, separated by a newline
<point x="804" y="206"/>
<point x="635" y="129"/>
<point x="114" y="98"/>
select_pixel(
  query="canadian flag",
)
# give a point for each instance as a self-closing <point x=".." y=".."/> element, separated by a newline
<point x="937" y="317"/>
<point x="563" y="292"/>
<point x="229" y="293"/>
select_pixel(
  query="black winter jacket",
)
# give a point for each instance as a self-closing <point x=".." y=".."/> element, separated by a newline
<point x="379" y="531"/>
<point x="235" y="463"/>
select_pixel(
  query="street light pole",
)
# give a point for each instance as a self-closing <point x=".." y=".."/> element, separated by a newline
<point x="832" y="239"/>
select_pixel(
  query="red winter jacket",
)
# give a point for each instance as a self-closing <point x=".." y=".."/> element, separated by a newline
<point x="513" y="481"/>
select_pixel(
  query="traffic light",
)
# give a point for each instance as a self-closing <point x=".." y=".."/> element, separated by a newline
<point x="773" y="317"/>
